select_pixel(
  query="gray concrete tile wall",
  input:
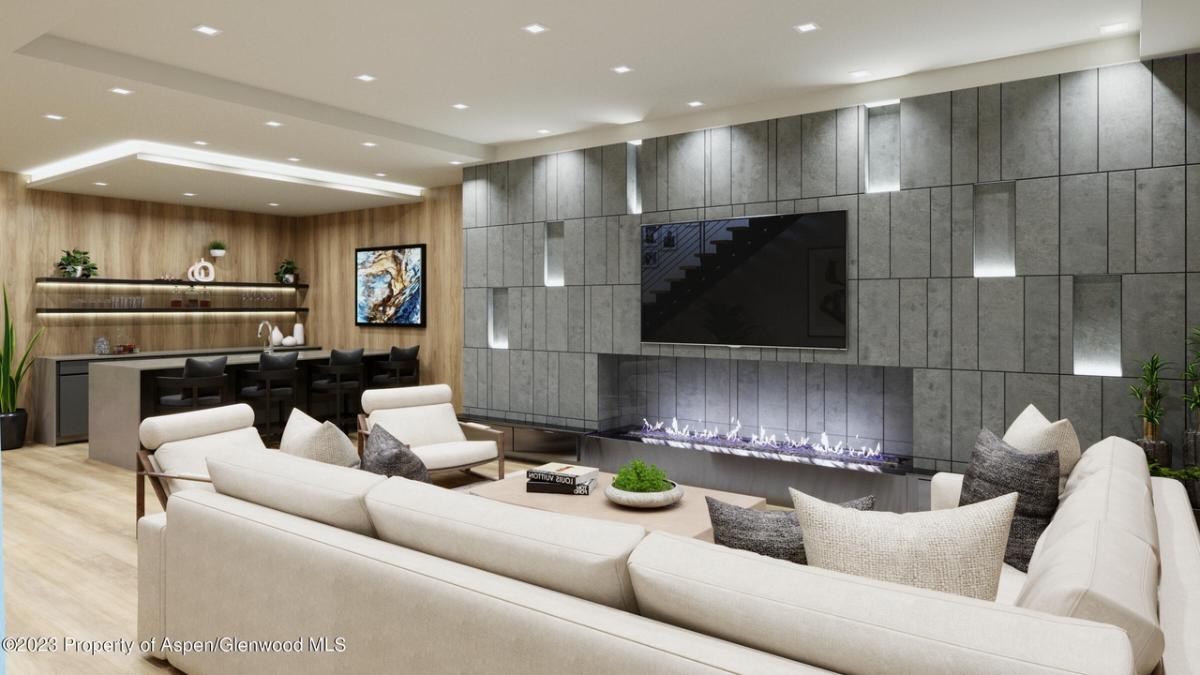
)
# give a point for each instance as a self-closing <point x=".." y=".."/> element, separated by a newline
<point x="1084" y="224"/>
<point x="1169" y="92"/>
<point x="1029" y="128"/>
<point x="964" y="136"/>
<point x="818" y="164"/>
<point x="1079" y="110"/>
<point x="1125" y="117"/>
<point x="925" y="140"/>
<point x="910" y="233"/>
<point x="1160" y="214"/>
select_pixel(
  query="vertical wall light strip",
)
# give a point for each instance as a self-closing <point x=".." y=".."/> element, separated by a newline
<point x="632" y="193"/>
<point x="1096" y="324"/>
<point x="497" y="318"/>
<point x="554" y="240"/>
<point x="995" y="218"/>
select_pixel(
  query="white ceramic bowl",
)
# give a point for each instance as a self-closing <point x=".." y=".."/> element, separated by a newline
<point x="645" y="500"/>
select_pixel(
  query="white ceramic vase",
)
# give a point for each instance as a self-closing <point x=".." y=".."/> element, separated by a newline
<point x="645" y="500"/>
<point x="276" y="337"/>
<point x="298" y="333"/>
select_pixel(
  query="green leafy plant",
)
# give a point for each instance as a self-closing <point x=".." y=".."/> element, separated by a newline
<point x="216" y="245"/>
<point x="1149" y="393"/>
<point x="76" y="259"/>
<point x="637" y="476"/>
<point x="1186" y="473"/>
<point x="288" y="266"/>
<point x="12" y="370"/>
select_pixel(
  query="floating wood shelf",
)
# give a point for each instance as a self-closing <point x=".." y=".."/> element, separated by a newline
<point x="173" y="282"/>
<point x="169" y="310"/>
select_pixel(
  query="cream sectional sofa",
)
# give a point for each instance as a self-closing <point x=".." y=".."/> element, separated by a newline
<point x="415" y="578"/>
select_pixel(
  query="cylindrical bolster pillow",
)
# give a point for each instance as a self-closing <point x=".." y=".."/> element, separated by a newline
<point x="156" y="431"/>
<point x="405" y="397"/>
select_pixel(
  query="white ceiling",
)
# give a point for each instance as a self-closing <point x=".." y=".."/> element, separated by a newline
<point x="294" y="62"/>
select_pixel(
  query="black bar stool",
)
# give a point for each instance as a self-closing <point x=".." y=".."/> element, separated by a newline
<point x="202" y="385"/>
<point x="402" y="369"/>
<point x="274" y="383"/>
<point x="342" y="377"/>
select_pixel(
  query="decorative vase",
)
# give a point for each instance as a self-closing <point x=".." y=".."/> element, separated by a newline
<point x="276" y="337"/>
<point x="289" y="341"/>
<point x="289" y="278"/>
<point x="78" y="269"/>
<point x="217" y="252"/>
<point x="298" y="333"/>
<point x="101" y="346"/>
<point x="12" y="429"/>
<point x="644" y="500"/>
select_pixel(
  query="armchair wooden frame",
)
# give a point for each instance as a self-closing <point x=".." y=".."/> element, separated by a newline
<point x="146" y="471"/>
<point x="473" y="432"/>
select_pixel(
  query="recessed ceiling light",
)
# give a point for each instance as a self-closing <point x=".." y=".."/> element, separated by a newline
<point x="859" y="74"/>
<point x="807" y="27"/>
<point x="199" y="142"/>
<point x="543" y="131"/>
<point x="1114" y="28"/>
<point x="534" y="28"/>
<point x="52" y="116"/>
<point x="189" y="194"/>
<point x="272" y="204"/>
<point x="365" y="78"/>
<point x="293" y="159"/>
<point x="637" y="142"/>
<point x="100" y="184"/>
<point x="380" y="174"/>
<point x="369" y="144"/>
<point x="460" y="106"/>
<point x="621" y="70"/>
<point x="121" y="91"/>
<point x="207" y="30"/>
<point x="273" y="123"/>
<point x="695" y="104"/>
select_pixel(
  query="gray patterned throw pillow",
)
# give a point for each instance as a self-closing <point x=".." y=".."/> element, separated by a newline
<point x="387" y="455"/>
<point x="775" y="534"/>
<point x="997" y="469"/>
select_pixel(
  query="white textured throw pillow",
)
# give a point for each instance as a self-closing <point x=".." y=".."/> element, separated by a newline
<point x="958" y="551"/>
<point x="1032" y="432"/>
<point x="304" y="436"/>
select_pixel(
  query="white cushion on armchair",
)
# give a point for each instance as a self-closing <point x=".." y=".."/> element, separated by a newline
<point x="183" y="442"/>
<point x="423" y="418"/>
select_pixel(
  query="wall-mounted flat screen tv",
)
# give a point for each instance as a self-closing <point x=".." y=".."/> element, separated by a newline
<point x="762" y="281"/>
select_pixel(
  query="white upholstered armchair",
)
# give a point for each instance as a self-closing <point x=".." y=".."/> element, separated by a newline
<point x="174" y="448"/>
<point x="423" y="418"/>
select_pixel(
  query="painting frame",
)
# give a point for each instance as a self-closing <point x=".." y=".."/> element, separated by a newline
<point x="424" y="286"/>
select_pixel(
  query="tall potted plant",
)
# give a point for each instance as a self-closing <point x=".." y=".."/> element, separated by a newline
<point x="13" y="420"/>
<point x="1149" y="393"/>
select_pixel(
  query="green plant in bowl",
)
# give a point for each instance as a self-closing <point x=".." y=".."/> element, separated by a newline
<point x="76" y="264"/>
<point x="637" y="476"/>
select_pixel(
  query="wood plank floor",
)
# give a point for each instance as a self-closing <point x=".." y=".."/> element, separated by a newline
<point x="70" y="555"/>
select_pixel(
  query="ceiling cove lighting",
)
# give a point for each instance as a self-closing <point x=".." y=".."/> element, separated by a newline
<point x="880" y="104"/>
<point x="365" y="78"/>
<point x="1114" y="28"/>
<point x="456" y="162"/>
<point x="621" y="70"/>
<point x="273" y="124"/>
<point x="534" y="28"/>
<point x="162" y="153"/>
<point x="52" y="116"/>
<point x="460" y="106"/>
<point x="121" y="91"/>
<point x="207" y="30"/>
<point x="807" y="27"/>
<point x="637" y="142"/>
<point x="695" y="104"/>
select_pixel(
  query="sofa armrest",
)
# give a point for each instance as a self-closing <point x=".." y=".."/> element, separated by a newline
<point x="151" y="540"/>
<point x="944" y="491"/>
<point x="1179" y="587"/>
<point x="475" y="431"/>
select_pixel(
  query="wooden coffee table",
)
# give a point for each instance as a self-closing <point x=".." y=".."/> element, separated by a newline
<point x="688" y="517"/>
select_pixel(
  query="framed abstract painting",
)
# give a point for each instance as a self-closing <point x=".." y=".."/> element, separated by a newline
<point x="389" y="286"/>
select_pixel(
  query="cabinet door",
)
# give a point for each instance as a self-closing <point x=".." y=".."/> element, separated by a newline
<point x="72" y="407"/>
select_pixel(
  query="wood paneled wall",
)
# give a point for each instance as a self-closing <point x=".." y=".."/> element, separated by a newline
<point x="435" y="222"/>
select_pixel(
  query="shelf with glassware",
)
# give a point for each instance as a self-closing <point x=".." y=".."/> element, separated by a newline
<point x="166" y="296"/>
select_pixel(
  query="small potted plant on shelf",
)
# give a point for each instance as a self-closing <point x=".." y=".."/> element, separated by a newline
<point x="216" y="248"/>
<point x="76" y="264"/>
<point x="1149" y="393"/>
<point x="13" y="368"/>
<point x="643" y="486"/>
<point x="288" y="272"/>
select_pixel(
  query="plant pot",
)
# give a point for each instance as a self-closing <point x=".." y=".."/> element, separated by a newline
<point x="217" y="252"/>
<point x="12" y="429"/>
<point x="1157" y="451"/>
<point x="645" y="500"/>
<point x="289" y="278"/>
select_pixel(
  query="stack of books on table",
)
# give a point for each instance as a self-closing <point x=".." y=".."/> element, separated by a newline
<point x="562" y="479"/>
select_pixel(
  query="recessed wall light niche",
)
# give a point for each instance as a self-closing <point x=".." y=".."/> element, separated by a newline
<point x="1096" y="324"/>
<point x="497" y="318"/>
<point x="882" y="161"/>
<point x="552" y="263"/>
<point x="995" y="229"/>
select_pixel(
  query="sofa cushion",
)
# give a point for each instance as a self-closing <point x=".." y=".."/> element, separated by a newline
<point x="387" y="456"/>
<point x="855" y="625"/>
<point x="996" y="469"/>
<point x="156" y="431"/>
<point x="954" y="550"/>
<point x="1102" y="573"/>
<point x="187" y="457"/>
<point x="455" y="453"/>
<point x="406" y="397"/>
<point x="1012" y="580"/>
<point x="423" y="425"/>
<point x="1179" y="584"/>
<point x="325" y="493"/>
<point x="1112" y="497"/>
<point x="1110" y="453"/>
<point x="578" y="556"/>
<point x="771" y="533"/>
<point x="1032" y="432"/>
<point x="305" y="437"/>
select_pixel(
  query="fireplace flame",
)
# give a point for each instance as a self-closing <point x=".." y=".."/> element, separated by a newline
<point x="761" y="439"/>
